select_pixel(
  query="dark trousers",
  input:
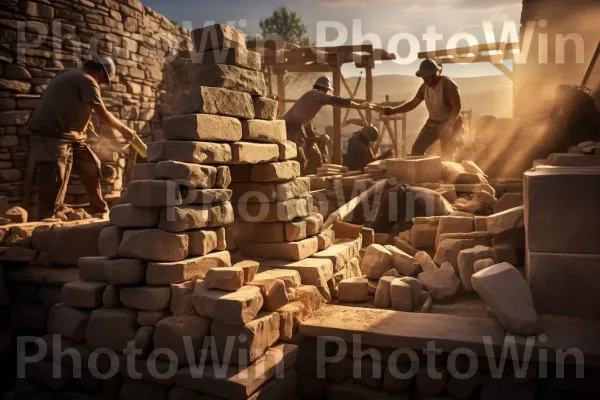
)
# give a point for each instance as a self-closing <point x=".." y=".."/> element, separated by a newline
<point x="309" y="155"/>
<point x="431" y="132"/>
<point x="55" y="158"/>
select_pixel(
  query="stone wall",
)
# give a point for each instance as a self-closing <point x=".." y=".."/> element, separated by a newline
<point x="38" y="39"/>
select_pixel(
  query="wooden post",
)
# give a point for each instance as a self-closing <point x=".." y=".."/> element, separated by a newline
<point x="369" y="90"/>
<point x="404" y="135"/>
<point x="337" y="118"/>
<point x="281" y="93"/>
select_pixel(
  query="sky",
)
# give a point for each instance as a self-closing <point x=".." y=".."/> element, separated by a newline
<point x="398" y="25"/>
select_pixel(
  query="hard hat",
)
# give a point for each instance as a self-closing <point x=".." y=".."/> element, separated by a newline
<point x="428" y="67"/>
<point x="108" y="64"/>
<point x="370" y="133"/>
<point x="324" y="82"/>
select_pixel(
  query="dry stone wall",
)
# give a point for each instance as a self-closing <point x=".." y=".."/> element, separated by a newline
<point x="40" y="38"/>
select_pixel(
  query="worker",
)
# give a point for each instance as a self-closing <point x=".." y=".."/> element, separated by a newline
<point x="324" y="144"/>
<point x="299" y="118"/>
<point x="58" y="127"/>
<point x="442" y="98"/>
<point x="360" y="151"/>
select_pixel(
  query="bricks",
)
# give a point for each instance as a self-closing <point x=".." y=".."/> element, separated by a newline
<point x="239" y="57"/>
<point x="290" y="317"/>
<point x="254" y="153"/>
<point x="128" y="216"/>
<point x="194" y="175"/>
<point x="270" y="192"/>
<point x="287" y="150"/>
<point x="154" y="244"/>
<point x="190" y="152"/>
<point x="260" y="333"/>
<point x="111" y="328"/>
<point x="265" y="108"/>
<point x="215" y="37"/>
<point x="415" y="169"/>
<point x="340" y="253"/>
<point x="181" y="297"/>
<point x="176" y="272"/>
<point x="149" y="298"/>
<point x="125" y="271"/>
<point x="144" y="171"/>
<point x="293" y="251"/>
<point x="183" y="218"/>
<point x="249" y="268"/>
<point x="109" y="241"/>
<point x="466" y="263"/>
<point x="206" y="196"/>
<point x="153" y="193"/>
<point x="171" y="331"/>
<point x="223" y="177"/>
<point x="273" y="292"/>
<point x="275" y="172"/>
<point x="202" y="242"/>
<point x="202" y="128"/>
<point x="83" y="294"/>
<point x="353" y="290"/>
<point x="326" y="239"/>
<point x="273" y="212"/>
<point x="226" y="278"/>
<point x="264" y="131"/>
<point x="68" y="321"/>
<point x="270" y="232"/>
<point x="401" y="295"/>
<point x="230" y="308"/>
<point x="315" y="272"/>
<point x="376" y="261"/>
<point x="92" y="268"/>
<point x="218" y="101"/>
<point x="229" y="77"/>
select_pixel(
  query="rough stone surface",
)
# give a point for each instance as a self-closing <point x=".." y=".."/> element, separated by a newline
<point x="287" y="150"/>
<point x="264" y="131"/>
<point x="442" y="284"/>
<point x="149" y="298"/>
<point x="425" y="261"/>
<point x="83" y="294"/>
<point x="249" y="268"/>
<point x="326" y="239"/>
<point x="466" y="263"/>
<point x="163" y="273"/>
<point x="225" y="278"/>
<point x="230" y="77"/>
<point x="383" y="296"/>
<point x="482" y="264"/>
<point x="184" y="218"/>
<point x="270" y="192"/>
<point x="450" y="224"/>
<point x="273" y="292"/>
<point x="202" y="128"/>
<point x="416" y="287"/>
<point x="273" y="212"/>
<point x="275" y="172"/>
<point x="376" y="261"/>
<point x="68" y="321"/>
<point x="218" y="101"/>
<point x="110" y="296"/>
<point x="254" y="153"/>
<point x="154" y="245"/>
<point x="291" y="315"/>
<point x="111" y="328"/>
<point x="401" y="295"/>
<point x="402" y="262"/>
<point x="217" y="36"/>
<point x="144" y="171"/>
<point x="509" y="219"/>
<point x="448" y="249"/>
<point x="169" y="334"/>
<point x="128" y="216"/>
<point x="293" y="251"/>
<point x="230" y="308"/>
<point x="189" y="152"/>
<point x="109" y="241"/>
<point x="202" y="242"/>
<point x="353" y="290"/>
<point x="403" y="245"/>
<point x="265" y="108"/>
<point x="124" y="271"/>
<point x="153" y="193"/>
<point x="423" y="235"/>
<point x="191" y="175"/>
<point x="508" y="201"/>
<point x="181" y="297"/>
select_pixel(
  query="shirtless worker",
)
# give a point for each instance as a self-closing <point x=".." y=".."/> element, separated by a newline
<point x="58" y="127"/>
<point x="359" y="152"/>
<point x="442" y="98"/>
<point x="299" y="119"/>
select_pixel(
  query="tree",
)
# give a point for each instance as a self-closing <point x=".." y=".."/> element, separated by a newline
<point x="287" y="25"/>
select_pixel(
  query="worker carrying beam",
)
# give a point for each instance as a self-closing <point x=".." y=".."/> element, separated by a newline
<point x="442" y="98"/>
<point x="360" y="151"/>
<point x="58" y="127"/>
<point x="299" y="119"/>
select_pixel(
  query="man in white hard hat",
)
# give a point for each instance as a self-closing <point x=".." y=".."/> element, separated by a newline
<point x="299" y="119"/>
<point x="58" y="125"/>
<point x="360" y="152"/>
<point x="442" y="98"/>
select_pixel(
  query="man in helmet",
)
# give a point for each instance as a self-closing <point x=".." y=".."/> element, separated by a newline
<point x="299" y="118"/>
<point x="58" y="126"/>
<point x="442" y="98"/>
<point x="359" y="152"/>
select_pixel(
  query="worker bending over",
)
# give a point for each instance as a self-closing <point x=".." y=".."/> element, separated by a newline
<point x="359" y="152"/>
<point x="442" y="98"/>
<point x="299" y="119"/>
<point x="58" y="127"/>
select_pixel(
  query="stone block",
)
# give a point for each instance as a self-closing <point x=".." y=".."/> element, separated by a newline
<point x="273" y="292"/>
<point x="268" y="232"/>
<point x="508" y="201"/>
<point x="506" y="220"/>
<point x="249" y="268"/>
<point x="202" y="242"/>
<point x="144" y="171"/>
<point x="223" y="178"/>
<point x="423" y="235"/>
<point x="265" y="108"/>
<point x="383" y="295"/>
<point x="154" y="244"/>
<point x="404" y="246"/>
<point x="450" y="224"/>
<point x="68" y="321"/>
<point x="275" y="172"/>
<point x="217" y="101"/>
<point x="295" y="230"/>
<point x="171" y="331"/>
<point x="466" y="263"/>
<point x="83" y="294"/>
<point x="230" y="308"/>
<point x="346" y="230"/>
<point x="202" y="128"/>
<point x="290" y="277"/>
<point x="294" y="251"/>
<point x="205" y="196"/>
<point x="110" y="328"/>
<point x="259" y="334"/>
<point x="482" y="264"/>
<point x="506" y="292"/>
<point x="401" y="295"/>
<point x="192" y="175"/>
<point x="376" y="261"/>
<point x="153" y="193"/>
<point x="270" y="192"/>
<point x="415" y="169"/>
<point x="229" y="279"/>
<point x="109" y="241"/>
<point x="254" y="153"/>
<point x="110" y="296"/>
<point x="353" y="290"/>
<point x="92" y="268"/>
<point x="340" y="253"/>
<point x="425" y="261"/>
<point x="218" y="36"/>
<point x="326" y="239"/>
<point x="480" y="223"/>
<point x="310" y="297"/>
<point x="128" y="216"/>
<point x="402" y="262"/>
<point x="442" y="283"/>
<point x="181" y="297"/>
<point x="72" y="242"/>
<point x="125" y="271"/>
<point x="184" y="218"/>
<point x="238" y="56"/>
<point x="151" y="318"/>
<point x="287" y="150"/>
<point x="448" y="249"/>
<point x="315" y="272"/>
<point x="190" y="152"/>
<point x="159" y="273"/>
<point x="416" y="287"/>
<point x="291" y="315"/>
<point x="229" y="77"/>
<point x="149" y="298"/>
<point x="256" y="130"/>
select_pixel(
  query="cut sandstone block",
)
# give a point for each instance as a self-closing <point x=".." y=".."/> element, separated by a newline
<point x="346" y="230"/>
<point x="181" y="297"/>
<point x="202" y="242"/>
<point x="150" y="298"/>
<point x="144" y="171"/>
<point x="254" y="153"/>
<point x="150" y="318"/>
<point x="466" y="263"/>
<point x="310" y="297"/>
<point x="402" y="262"/>
<point x="450" y="224"/>
<point x="506" y="292"/>
<point x="404" y="246"/>
<point x="183" y="218"/>
<point x="415" y="169"/>
<point x="225" y="278"/>
<point x="425" y="261"/>
<point x="202" y="128"/>
<point x="353" y="290"/>
<point x="401" y="295"/>
<point x="83" y="294"/>
<point x="109" y="241"/>
<point x="376" y="261"/>
<point x="423" y="235"/>
<point x="229" y="77"/>
<point x="448" y="249"/>
<point x="273" y="292"/>
<point x="442" y="283"/>
<point x="159" y="273"/>
<point x="480" y="265"/>
<point x="314" y="222"/>
<point x="509" y="219"/>
<point x="110" y="328"/>
<point x="193" y="175"/>
<point x="260" y="334"/>
<point x="189" y="152"/>
<point x="268" y="232"/>
<point x="153" y="193"/>
<point x="480" y="223"/>
<point x="508" y="201"/>
<point x="223" y="177"/>
<point x="315" y="272"/>
<point x="383" y="296"/>
<point x="230" y="308"/>
<point x="68" y="321"/>
<point x="249" y="268"/>
<point x="124" y="271"/>
<point x="92" y="268"/>
<point x="154" y="244"/>
<point x="275" y="172"/>
<point x="270" y="192"/>
<point x="273" y="212"/>
<point x="205" y="196"/>
<point x="265" y="108"/>
<point x="218" y="101"/>
<point x="326" y="239"/>
<point x="110" y="296"/>
<point x="291" y="315"/>
<point x="128" y="216"/>
<point x="287" y="150"/>
<point x="340" y="253"/>
<point x="217" y="36"/>
<point x="416" y="287"/>
<point x="240" y="57"/>
<point x="291" y="278"/>
<point x="264" y="131"/>
<point x="294" y="251"/>
<point x="169" y="334"/>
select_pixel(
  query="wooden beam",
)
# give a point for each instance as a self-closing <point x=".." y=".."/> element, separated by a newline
<point x="362" y="116"/>
<point x="369" y="91"/>
<point x="470" y="50"/>
<point x="353" y="96"/>
<point x="494" y="59"/>
<point x="281" y="92"/>
<point x="303" y="68"/>
<point x="337" y="119"/>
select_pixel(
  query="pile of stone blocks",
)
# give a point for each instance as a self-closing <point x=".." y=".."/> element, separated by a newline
<point x="415" y="169"/>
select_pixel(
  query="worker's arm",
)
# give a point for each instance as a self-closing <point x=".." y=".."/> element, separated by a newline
<point x="345" y="103"/>
<point x="453" y="96"/>
<point x="404" y="108"/>
<point x="108" y="118"/>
